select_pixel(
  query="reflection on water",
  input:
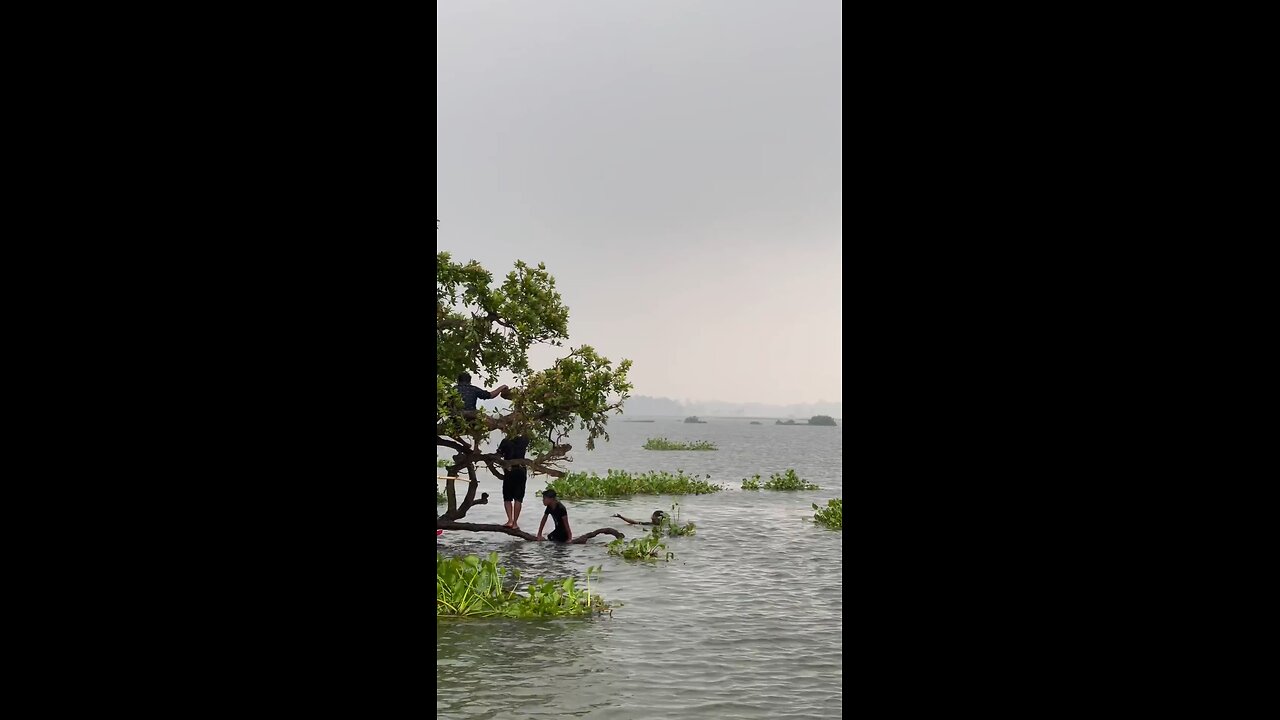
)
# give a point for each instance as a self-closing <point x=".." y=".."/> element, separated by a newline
<point x="744" y="622"/>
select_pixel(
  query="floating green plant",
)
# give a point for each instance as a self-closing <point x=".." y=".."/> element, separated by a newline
<point x="778" y="481"/>
<point x="618" y="483"/>
<point x="473" y="587"/>
<point x="831" y="516"/>
<point x="665" y="444"/>
<point x="649" y="547"/>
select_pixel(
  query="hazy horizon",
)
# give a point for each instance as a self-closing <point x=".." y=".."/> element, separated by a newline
<point x="677" y="166"/>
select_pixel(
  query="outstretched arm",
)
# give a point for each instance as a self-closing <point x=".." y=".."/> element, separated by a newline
<point x="632" y="522"/>
<point x="542" y="525"/>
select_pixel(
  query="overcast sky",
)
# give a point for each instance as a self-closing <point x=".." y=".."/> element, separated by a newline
<point x="677" y="165"/>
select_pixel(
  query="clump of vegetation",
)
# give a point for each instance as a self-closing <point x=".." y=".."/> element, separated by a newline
<point x="441" y="463"/>
<point x="778" y="481"/>
<point x="665" y="444"/>
<point x="644" y="548"/>
<point x="441" y="498"/>
<point x="693" y="420"/>
<point x="789" y="422"/>
<point x="822" y="420"/>
<point x="831" y="516"/>
<point x="755" y="422"/>
<point x="671" y="527"/>
<point x="617" y="483"/>
<point x="788" y="481"/>
<point x="473" y="587"/>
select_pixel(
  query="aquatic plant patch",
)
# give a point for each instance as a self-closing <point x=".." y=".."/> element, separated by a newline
<point x="831" y="516"/>
<point x="649" y="548"/>
<point x="471" y="586"/>
<point x="618" y="483"/>
<point x="778" y="481"/>
<point x="665" y="444"/>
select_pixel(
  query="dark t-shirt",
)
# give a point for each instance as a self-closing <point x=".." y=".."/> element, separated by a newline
<point x="558" y="513"/>
<point x="470" y="393"/>
<point x="513" y="448"/>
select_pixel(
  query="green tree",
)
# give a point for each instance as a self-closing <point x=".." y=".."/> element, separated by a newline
<point x="822" y="420"/>
<point x="486" y="330"/>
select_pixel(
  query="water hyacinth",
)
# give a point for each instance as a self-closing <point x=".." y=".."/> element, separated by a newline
<point x="617" y="483"/>
<point x="831" y="516"/>
<point x="473" y="587"/>
<point x="778" y="481"/>
<point x="665" y="444"/>
<point x="644" y="548"/>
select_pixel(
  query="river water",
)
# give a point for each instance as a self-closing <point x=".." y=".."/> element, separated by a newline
<point x="745" y="622"/>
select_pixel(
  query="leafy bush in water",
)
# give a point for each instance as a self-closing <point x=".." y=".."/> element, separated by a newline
<point x="665" y="444"/>
<point x="618" y="483"/>
<point x="831" y="516"/>
<point x="822" y="420"/>
<point x="778" y="481"/>
<point x="472" y="587"/>
<point x="693" y="420"/>
<point x="644" y="548"/>
<point x="441" y="463"/>
<point x="788" y="481"/>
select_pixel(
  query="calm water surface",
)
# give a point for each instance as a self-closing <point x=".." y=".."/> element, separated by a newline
<point x="745" y="622"/>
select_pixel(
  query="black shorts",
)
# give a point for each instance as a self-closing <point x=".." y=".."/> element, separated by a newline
<point x="557" y="535"/>
<point x="513" y="485"/>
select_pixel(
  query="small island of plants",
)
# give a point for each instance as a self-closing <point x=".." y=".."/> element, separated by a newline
<point x="471" y="586"/>
<point x="831" y="516"/>
<point x="618" y="483"/>
<point x="649" y="548"/>
<point x="693" y="420"/>
<point x="822" y="420"/>
<point x="665" y="444"/>
<point x="778" y="481"/>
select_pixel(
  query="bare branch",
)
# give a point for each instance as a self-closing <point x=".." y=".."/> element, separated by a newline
<point x="484" y="527"/>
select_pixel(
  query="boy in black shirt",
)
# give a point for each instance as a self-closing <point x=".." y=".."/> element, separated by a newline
<point x="557" y="512"/>
<point x="513" y="483"/>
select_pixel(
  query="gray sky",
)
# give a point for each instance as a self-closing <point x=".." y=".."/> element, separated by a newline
<point x="677" y="165"/>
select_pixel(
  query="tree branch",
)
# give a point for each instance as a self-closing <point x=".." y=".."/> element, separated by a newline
<point x="444" y="524"/>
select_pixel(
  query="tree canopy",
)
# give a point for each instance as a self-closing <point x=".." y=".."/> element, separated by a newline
<point x="486" y="330"/>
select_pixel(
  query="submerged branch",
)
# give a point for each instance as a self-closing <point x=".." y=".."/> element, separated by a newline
<point x="446" y="524"/>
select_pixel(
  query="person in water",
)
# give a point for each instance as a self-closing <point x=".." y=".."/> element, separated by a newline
<point x="513" y="484"/>
<point x="655" y="519"/>
<point x="559" y="514"/>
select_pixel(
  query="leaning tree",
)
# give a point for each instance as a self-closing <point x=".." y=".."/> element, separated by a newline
<point x="487" y="330"/>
